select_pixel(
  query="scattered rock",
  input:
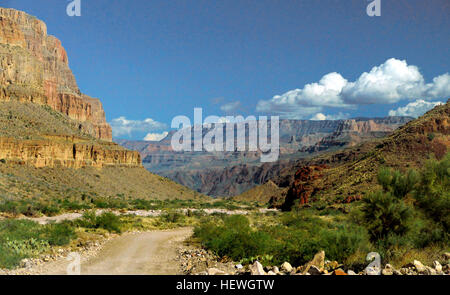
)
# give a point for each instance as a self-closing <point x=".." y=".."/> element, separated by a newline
<point x="339" y="272"/>
<point x="313" y="270"/>
<point x="271" y="273"/>
<point x="276" y="270"/>
<point x="430" y="271"/>
<point x="388" y="270"/>
<point x="286" y="267"/>
<point x="239" y="266"/>
<point x="447" y="255"/>
<point x="351" y="273"/>
<point x="419" y="266"/>
<point x="318" y="261"/>
<point x="215" y="272"/>
<point x="437" y="266"/>
<point x="372" y="271"/>
<point x="257" y="269"/>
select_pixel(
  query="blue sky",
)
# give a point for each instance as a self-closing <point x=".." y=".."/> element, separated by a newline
<point x="159" y="59"/>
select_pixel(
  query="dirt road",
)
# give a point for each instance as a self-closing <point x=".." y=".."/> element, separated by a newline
<point x="149" y="253"/>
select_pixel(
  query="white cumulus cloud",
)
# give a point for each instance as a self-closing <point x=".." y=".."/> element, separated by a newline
<point x="322" y="117"/>
<point x="122" y="126"/>
<point x="231" y="106"/>
<point x="388" y="83"/>
<point x="156" y="136"/>
<point x="415" y="109"/>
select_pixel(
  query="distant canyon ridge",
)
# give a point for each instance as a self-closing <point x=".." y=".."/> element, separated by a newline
<point x="224" y="174"/>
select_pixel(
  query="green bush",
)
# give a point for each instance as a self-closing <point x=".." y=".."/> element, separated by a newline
<point x="172" y="217"/>
<point x="21" y="239"/>
<point x="433" y="192"/>
<point x="384" y="214"/>
<point x="106" y="220"/>
<point x="59" y="234"/>
<point x="298" y="237"/>
<point x="396" y="183"/>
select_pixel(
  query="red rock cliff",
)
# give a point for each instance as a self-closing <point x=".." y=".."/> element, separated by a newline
<point x="34" y="67"/>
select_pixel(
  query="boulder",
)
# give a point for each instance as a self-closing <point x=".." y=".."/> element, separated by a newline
<point x="372" y="271"/>
<point x="215" y="272"/>
<point x="286" y="267"/>
<point x="351" y="273"/>
<point x="257" y="269"/>
<point x="437" y="266"/>
<point x="419" y="266"/>
<point x="388" y="270"/>
<point x="430" y="271"/>
<point x="313" y="270"/>
<point x="339" y="272"/>
<point x="318" y="261"/>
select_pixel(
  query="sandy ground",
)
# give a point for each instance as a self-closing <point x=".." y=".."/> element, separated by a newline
<point x="148" y="253"/>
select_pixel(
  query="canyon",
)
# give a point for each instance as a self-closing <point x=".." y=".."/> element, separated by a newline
<point x="225" y="174"/>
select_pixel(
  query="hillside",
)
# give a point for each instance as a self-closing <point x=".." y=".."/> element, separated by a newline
<point x="54" y="140"/>
<point x="350" y="173"/>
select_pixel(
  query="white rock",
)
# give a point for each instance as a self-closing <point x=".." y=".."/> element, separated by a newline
<point x="372" y="271"/>
<point x="257" y="269"/>
<point x="351" y="273"/>
<point x="419" y="266"/>
<point x="287" y="267"/>
<point x="276" y="270"/>
<point x="239" y="266"/>
<point x="271" y="273"/>
<point x="215" y="272"/>
<point x="437" y="266"/>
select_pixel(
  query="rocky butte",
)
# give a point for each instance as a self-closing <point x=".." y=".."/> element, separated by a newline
<point x="34" y="69"/>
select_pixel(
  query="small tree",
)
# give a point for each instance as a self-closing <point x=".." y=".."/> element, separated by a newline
<point x="433" y="192"/>
<point x="384" y="214"/>
<point x="397" y="183"/>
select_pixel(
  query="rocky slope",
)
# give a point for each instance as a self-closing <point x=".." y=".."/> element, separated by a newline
<point x="231" y="173"/>
<point x="347" y="175"/>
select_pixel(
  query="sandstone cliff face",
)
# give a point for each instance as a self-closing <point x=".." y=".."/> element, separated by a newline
<point x="34" y="67"/>
<point x="355" y="131"/>
<point x="45" y="120"/>
<point x="66" y="152"/>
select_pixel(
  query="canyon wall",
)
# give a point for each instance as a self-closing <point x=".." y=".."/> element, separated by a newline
<point x="70" y="152"/>
<point x="42" y="106"/>
<point x="34" y="67"/>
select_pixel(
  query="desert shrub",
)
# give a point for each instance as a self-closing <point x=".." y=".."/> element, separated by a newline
<point x="433" y="192"/>
<point x="384" y="214"/>
<point x="59" y="234"/>
<point x="173" y="217"/>
<point x="106" y="220"/>
<point x="297" y="238"/>
<point x="21" y="239"/>
<point x="142" y="204"/>
<point x="397" y="183"/>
